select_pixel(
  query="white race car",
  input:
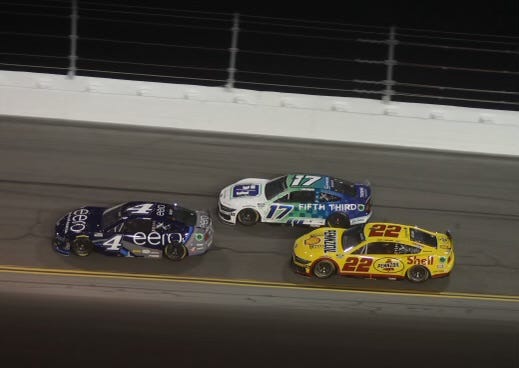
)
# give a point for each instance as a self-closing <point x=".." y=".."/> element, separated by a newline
<point x="304" y="199"/>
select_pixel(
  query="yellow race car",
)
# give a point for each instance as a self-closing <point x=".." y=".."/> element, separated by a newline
<point x="374" y="250"/>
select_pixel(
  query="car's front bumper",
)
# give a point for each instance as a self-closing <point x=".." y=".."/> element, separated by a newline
<point x="303" y="269"/>
<point x="226" y="214"/>
<point x="60" y="246"/>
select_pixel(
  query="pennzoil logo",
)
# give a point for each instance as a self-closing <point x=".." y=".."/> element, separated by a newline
<point x="330" y="241"/>
<point x="389" y="265"/>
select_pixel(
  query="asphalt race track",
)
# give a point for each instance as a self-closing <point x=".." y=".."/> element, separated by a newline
<point x="48" y="168"/>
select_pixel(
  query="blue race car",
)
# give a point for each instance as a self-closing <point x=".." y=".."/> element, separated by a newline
<point x="135" y="229"/>
<point x="302" y="199"/>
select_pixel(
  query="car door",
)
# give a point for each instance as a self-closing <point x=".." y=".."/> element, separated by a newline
<point x="386" y="259"/>
<point x="306" y="207"/>
<point x="357" y="262"/>
<point x="134" y="237"/>
<point x="294" y="206"/>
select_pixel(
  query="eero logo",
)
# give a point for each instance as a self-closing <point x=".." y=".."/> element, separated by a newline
<point x="78" y="220"/>
<point x="140" y="238"/>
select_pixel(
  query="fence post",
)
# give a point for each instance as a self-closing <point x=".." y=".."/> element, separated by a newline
<point x="390" y="62"/>
<point x="73" y="41"/>
<point x="233" y="51"/>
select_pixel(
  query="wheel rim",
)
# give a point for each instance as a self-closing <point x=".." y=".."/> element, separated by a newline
<point x="418" y="274"/>
<point x="337" y="221"/>
<point x="247" y="217"/>
<point x="175" y="252"/>
<point x="323" y="269"/>
<point x="82" y="247"/>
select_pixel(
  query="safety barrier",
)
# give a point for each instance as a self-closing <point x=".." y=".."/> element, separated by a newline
<point x="218" y="109"/>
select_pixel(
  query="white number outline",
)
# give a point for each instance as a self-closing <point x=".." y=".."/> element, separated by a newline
<point x="141" y="209"/>
<point x="310" y="179"/>
<point x="114" y="243"/>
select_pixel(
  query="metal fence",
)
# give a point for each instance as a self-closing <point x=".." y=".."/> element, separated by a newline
<point x="92" y="38"/>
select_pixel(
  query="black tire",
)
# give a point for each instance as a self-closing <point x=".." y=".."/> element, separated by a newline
<point x="175" y="252"/>
<point x="248" y="217"/>
<point x="324" y="269"/>
<point x="417" y="274"/>
<point x="82" y="246"/>
<point x="338" y="220"/>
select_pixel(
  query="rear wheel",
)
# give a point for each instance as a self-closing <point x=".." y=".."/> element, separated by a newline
<point x="248" y="217"/>
<point x="175" y="251"/>
<point x="82" y="246"/>
<point x="338" y="220"/>
<point x="324" y="269"/>
<point x="418" y="274"/>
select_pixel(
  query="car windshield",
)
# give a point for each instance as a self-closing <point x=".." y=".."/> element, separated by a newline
<point x="111" y="216"/>
<point x="423" y="238"/>
<point x="184" y="216"/>
<point x="275" y="186"/>
<point x="352" y="237"/>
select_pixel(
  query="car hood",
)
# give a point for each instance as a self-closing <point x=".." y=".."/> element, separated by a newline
<point x="80" y="221"/>
<point x="318" y="243"/>
<point x="251" y="190"/>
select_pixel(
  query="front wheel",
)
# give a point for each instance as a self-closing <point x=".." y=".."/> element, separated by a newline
<point x="175" y="251"/>
<point x="248" y="217"/>
<point x="418" y="274"/>
<point x="338" y="220"/>
<point x="82" y="246"/>
<point x="324" y="269"/>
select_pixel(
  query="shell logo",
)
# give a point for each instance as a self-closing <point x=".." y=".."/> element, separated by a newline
<point x="389" y="265"/>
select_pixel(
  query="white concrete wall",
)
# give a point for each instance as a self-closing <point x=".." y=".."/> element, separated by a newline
<point x="252" y="112"/>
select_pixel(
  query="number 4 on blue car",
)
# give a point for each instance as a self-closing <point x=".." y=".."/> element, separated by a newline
<point x="135" y="229"/>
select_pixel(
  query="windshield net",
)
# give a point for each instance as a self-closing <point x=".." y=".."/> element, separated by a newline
<point x="274" y="187"/>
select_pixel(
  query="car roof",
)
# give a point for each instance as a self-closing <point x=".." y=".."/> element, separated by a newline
<point x="143" y="209"/>
<point x="387" y="231"/>
<point x="306" y="180"/>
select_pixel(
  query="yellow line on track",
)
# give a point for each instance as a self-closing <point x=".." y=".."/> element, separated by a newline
<point x="251" y="283"/>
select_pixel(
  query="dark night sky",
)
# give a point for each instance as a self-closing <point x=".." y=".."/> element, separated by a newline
<point x="494" y="17"/>
<point x="499" y="17"/>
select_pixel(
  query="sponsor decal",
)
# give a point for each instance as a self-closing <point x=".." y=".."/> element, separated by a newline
<point x="389" y="265"/>
<point x="330" y="241"/>
<point x="155" y="238"/>
<point x="295" y="222"/>
<point x="420" y="260"/>
<point x="313" y="240"/>
<point x="199" y="237"/>
<point x="161" y="210"/>
<point x="362" y="192"/>
<point x="443" y="259"/>
<point x="204" y="221"/>
<point x="312" y="207"/>
<point x="77" y="220"/>
<point x="251" y="190"/>
<point x="343" y="207"/>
